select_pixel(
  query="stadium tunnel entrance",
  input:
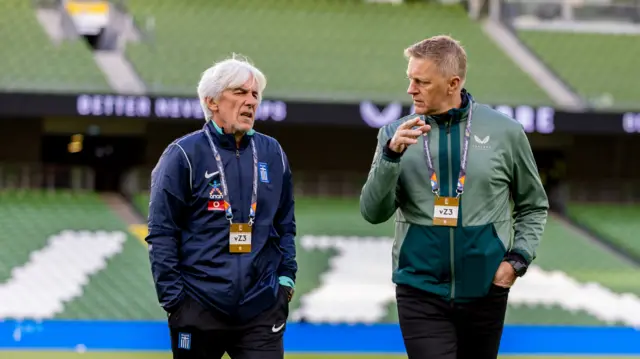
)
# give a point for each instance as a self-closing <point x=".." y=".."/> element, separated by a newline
<point x="107" y="147"/>
<point x="552" y="168"/>
<point x="108" y="156"/>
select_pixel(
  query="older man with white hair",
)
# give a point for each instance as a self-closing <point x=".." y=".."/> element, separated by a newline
<point x="222" y="226"/>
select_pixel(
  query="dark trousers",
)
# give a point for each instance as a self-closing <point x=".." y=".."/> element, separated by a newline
<point x="199" y="334"/>
<point x="434" y="328"/>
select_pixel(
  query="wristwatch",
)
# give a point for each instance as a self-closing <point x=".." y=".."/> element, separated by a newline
<point x="519" y="267"/>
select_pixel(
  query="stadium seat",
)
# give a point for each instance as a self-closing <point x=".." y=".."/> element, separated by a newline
<point x="77" y="259"/>
<point x="617" y="223"/>
<point x="68" y="256"/>
<point x="316" y="50"/>
<point x="345" y="272"/>
<point x="596" y="66"/>
<point x="38" y="64"/>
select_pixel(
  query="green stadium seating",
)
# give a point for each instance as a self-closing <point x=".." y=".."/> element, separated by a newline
<point x="571" y="277"/>
<point x="316" y="50"/>
<point x="617" y="223"/>
<point x="95" y="276"/>
<point x="596" y="66"/>
<point x="31" y="62"/>
<point x="68" y="255"/>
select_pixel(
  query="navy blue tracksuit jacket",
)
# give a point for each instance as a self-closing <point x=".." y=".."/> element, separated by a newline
<point x="189" y="243"/>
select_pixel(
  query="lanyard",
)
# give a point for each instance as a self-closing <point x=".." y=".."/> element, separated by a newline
<point x="223" y="181"/>
<point x="435" y="187"/>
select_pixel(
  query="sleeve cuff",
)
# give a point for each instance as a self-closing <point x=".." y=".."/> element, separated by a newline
<point x="286" y="281"/>
<point x="514" y="256"/>
<point x="389" y="155"/>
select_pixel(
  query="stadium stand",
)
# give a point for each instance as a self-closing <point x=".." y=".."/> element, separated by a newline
<point x="39" y="64"/>
<point x="72" y="255"/>
<point x="616" y="223"/>
<point x="304" y="58"/>
<point x="338" y="250"/>
<point x="596" y="65"/>
<point x="66" y="255"/>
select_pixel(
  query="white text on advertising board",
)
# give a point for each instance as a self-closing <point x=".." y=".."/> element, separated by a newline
<point x="540" y="119"/>
<point x="631" y="122"/>
<point x="163" y="107"/>
<point x="113" y="105"/>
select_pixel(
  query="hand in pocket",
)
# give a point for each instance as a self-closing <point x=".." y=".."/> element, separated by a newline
<point x="505" y="275"/>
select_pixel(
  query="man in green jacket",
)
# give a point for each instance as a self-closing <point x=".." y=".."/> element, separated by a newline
<point x="469" y="203"/>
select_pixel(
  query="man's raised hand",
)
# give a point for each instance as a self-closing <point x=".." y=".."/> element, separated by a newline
<point x="406" y="136"/>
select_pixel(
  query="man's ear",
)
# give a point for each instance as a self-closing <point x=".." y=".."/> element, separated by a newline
<point x="454" y="84"/>
<point x="211" y="104"/>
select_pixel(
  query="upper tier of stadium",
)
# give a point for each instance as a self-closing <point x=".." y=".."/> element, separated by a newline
<point x="31" y="61"/>
<point x="313" y="50"/>
<point x="317" y="49"/>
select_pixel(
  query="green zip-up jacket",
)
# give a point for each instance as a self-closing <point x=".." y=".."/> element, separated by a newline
<point x="458" y="263"/>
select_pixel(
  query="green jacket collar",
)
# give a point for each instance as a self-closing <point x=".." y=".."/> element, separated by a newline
<point x="455" y="115"/>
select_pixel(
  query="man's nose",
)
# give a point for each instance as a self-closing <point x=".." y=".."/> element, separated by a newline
<point x="252" y="102"/>
<point x="412" y="89"/>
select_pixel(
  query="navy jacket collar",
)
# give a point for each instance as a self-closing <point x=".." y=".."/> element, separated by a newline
<point x="227" y="140"/>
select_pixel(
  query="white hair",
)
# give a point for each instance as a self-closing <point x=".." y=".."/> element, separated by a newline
<point x="226" y="74"/>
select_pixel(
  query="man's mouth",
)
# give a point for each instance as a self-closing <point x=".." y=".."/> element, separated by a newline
<point x="247" y="114"/>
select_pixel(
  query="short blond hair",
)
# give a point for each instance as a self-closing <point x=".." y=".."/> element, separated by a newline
<point x="445" y="51"/>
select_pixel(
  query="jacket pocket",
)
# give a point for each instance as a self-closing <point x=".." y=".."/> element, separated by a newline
<point x="283" y="293"/>
<point x="176" y="314"/>
<point x="423" y="259"/>
<point x="479" y="254"/>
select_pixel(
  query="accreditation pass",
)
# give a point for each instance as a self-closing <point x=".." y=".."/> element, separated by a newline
<point x="445" y="211"/>
<point x="240" y="238"/>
